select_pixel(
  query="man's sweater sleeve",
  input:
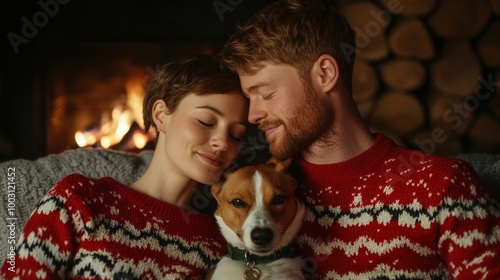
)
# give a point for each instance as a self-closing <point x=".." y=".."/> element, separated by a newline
<point x="469" y="227"/>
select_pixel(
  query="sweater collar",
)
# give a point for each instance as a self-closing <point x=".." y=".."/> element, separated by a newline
<point x="147" y="204"/>
<point x="237" y="254"/>
<point x="348" y="169"/>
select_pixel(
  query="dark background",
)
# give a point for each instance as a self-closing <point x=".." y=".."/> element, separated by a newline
<point x="22" y="133"/>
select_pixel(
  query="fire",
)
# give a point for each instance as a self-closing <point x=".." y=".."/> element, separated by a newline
<point x="140" y="140"/>
<point x="124" y="121"/>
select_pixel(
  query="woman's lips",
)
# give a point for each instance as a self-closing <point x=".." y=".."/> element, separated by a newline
<point x="211" y="159"/>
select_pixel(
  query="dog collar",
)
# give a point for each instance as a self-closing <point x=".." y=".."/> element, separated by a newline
<point x="243" y="255"/>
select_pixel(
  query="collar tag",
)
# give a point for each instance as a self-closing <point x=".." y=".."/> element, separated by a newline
<point x="251" y="273"/>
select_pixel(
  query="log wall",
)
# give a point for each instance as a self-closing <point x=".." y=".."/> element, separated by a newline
<point x="427" y="72"/>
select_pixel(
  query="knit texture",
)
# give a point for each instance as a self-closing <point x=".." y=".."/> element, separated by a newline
<point x="34" y="178"/>
<point x="488" y="168"/>
<point x="393" y="213"/>
<point x="88" y="228"/>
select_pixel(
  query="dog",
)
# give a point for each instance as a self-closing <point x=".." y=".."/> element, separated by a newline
<point x="259" y="216"/>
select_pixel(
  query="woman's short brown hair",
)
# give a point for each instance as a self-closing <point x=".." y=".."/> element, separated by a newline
<point x="294" y="32"/>
<point x="200" y="74"/>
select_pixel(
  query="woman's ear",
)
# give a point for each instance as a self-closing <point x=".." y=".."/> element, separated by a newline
<point x="325" y="72"/>
<point x="159" y="114"/>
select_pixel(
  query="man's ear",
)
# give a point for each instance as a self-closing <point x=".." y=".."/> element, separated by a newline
<point x="159" y="115"/>
<point x="325" y="73"/>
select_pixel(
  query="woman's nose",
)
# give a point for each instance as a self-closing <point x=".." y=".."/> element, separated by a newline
<point x="220" y="141"/>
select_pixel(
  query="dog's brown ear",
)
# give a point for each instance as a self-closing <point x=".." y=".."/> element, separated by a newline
<point x="216" y="188"/>
<point x="280" y="166"/>
<point x="223" y="178"/>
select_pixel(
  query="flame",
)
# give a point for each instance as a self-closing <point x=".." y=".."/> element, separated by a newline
<point x="140" y="140"/>
<point x="116" y="124"/>
<point x="84" y="139"/>
<point x="135" y="96"/>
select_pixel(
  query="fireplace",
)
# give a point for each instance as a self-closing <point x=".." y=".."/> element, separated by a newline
<point x="94" y="92"/>
<point x="79" y="76"/>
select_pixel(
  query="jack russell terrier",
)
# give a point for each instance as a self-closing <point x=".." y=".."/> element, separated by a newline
<point x="259" y="217"/>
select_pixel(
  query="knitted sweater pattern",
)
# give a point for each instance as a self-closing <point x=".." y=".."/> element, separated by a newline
<point x="87" y="228"/>
<point x="393" y="213"/>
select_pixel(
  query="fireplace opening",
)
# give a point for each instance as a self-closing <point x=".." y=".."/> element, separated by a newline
<point x="60" y="84"/>
<point x="94" y="93"/>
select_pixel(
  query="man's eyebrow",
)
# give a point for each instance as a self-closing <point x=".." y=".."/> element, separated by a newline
<point x="254" y="87"/>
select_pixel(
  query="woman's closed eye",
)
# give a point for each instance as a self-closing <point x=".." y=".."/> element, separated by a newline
<point x="206" y="124"/>
<point x="236" y="136"/>
<point x="237" y="132"/>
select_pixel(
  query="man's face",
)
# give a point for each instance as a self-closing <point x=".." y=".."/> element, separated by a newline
<point x="291" y="113"/>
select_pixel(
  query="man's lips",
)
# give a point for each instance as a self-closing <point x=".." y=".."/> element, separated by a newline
<point x="269" y="130"/>
<point x="211" y="159"/>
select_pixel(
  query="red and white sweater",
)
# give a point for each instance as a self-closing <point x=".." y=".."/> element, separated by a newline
<point x="88" y="228"/>
<point x="393" y="213"/>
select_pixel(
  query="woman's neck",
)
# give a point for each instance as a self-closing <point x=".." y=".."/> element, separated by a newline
<point x="162" y="182"/>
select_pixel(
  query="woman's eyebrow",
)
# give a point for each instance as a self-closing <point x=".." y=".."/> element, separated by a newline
<point x="211" y="108"/>
<point x="218" y="112"/>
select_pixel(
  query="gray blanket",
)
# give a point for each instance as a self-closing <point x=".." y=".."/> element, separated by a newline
<point x="487" y="167"/>
<point x="32" y="179"/>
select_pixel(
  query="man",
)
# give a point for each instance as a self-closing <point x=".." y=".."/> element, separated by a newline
<point x="375" y="210"/>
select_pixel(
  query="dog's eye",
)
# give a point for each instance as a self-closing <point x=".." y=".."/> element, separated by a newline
<point x="279" y="200"/>
<point x="238" y="203"/>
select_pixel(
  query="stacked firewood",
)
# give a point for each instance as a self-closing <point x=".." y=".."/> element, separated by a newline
<point x="427" y="72"/>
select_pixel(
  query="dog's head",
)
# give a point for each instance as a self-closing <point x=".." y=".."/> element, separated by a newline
<point x="257" y="209"/>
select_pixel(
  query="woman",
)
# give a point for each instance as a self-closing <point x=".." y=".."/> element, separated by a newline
<point x="89" y="228"/>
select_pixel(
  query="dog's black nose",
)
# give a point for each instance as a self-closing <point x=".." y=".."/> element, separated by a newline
<point x="261" y="236"/>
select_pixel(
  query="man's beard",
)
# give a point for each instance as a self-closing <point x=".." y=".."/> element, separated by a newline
<point x="308" y="123"/>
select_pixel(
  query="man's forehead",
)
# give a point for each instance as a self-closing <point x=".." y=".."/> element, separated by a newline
<point x="268" y="75"/>
<point x="257" y="77"/>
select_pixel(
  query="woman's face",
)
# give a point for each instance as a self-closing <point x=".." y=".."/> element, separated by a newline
<point x="202" y="135"/>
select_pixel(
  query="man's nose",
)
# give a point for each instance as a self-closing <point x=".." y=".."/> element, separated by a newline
<point x="256" y="111"/>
